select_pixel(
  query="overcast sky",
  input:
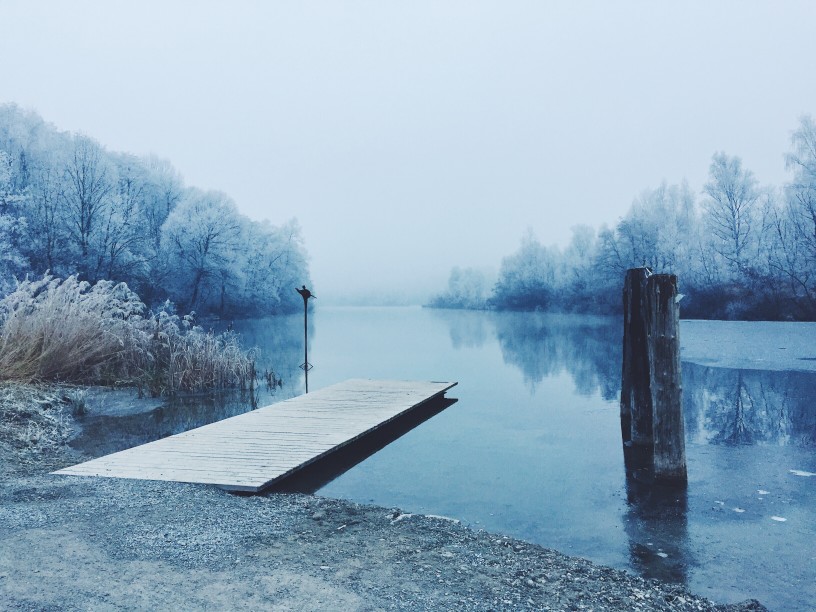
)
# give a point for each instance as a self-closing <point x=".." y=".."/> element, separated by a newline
<point x="410" y="137"/>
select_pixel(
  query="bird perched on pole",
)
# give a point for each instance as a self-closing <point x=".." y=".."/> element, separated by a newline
<point x="305" y="294"/>
<point x="305" y="366"/>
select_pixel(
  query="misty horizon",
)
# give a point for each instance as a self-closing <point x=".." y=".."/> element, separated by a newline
<point x="410" y="139"/>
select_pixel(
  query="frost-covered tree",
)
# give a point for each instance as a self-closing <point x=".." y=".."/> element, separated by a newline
<point x="199" y="238"/>
<point x="732" y="195"/>
<point x="12" y="227"/>
<point x="8" y="199"/>
<point x="12" y="262"/>
<point x="155" y="188"/>
<point x="658" y="231"/>
<point x="121" y="238"/>
<point x="467" y="288"/>
<point x="272" y="263"/>
<point x="89" y="187"/>
<point x="527" y="279"/>
<point x="71" y="207"/>
<point x="584" y="285"/>
<point x="795" y="224"/>
<point x="163" y="190"/>
<point x="45" y="214"/>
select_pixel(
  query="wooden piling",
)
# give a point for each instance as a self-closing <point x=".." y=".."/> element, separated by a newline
<point x="663" y="325"/>
<point x="651" y="392"/>
<point x="636" y="399"/>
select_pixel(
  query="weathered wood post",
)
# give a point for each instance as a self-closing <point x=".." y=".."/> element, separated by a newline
<point x="636" y="398"/>
<point x="663" y="325"/>
<point x="651" y="391"/>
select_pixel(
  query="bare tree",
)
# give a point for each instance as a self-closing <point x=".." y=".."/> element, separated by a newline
<point x="732" y="193"/>
<point x="120" y="238"/>
<point x="796" y="225"/>
<point x="45" y="220"/>
<point x="87" y="194"/>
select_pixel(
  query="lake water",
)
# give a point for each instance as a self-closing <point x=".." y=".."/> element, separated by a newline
<point x="532" y="448"/>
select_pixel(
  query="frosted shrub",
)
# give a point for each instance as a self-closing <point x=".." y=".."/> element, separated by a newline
<point x="71" y="331"/>
<point x="179" y="356"/>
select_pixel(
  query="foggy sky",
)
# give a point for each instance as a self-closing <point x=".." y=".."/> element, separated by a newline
<point x="409" y="137"/>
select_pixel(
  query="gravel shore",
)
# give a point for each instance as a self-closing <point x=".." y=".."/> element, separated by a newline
<point x="73" y="543"/>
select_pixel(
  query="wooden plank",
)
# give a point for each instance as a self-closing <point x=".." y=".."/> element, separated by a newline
<point x="251" y="451"/>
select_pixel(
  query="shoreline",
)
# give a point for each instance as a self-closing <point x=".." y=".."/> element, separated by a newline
<point x="79" y="542"/>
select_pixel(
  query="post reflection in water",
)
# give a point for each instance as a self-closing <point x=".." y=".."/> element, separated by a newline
<point x="656" y="523"/>
<point x="656" y="517"/>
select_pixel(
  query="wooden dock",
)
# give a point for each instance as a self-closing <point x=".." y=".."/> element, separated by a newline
<point x="253" y="450"/>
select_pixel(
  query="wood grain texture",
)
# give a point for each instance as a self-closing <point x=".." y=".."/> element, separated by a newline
<point x="251" y="451"/>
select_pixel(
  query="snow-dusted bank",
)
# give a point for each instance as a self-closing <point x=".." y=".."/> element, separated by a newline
<point x="110" y="543"/>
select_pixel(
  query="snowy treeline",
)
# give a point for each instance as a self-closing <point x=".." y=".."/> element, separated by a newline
<point x="69" y="206"/>
<point x="740" y="250"/>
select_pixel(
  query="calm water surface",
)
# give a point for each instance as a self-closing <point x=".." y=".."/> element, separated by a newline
<point x="532" y="449"/>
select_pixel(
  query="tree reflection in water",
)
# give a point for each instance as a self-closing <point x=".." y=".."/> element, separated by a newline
<point x="467" y="328"/>
<point x="721" y="405"/>
<point x="542" y="345"/>
<point x="734" y="418"/>
<point x="730" y="406"/>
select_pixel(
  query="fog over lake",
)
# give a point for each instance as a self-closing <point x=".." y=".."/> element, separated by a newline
<point x="408" y="138"/>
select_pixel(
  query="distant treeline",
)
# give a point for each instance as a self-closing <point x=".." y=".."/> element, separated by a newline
<point x="71" y="207"/>
<point x="740" y="250"/>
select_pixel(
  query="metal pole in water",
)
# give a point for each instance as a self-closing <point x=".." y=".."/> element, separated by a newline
<point x="306" y="366"/>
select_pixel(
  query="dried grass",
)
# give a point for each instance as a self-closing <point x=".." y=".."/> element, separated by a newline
<point x="54" y="330"/>
<point x="178" y="356"/>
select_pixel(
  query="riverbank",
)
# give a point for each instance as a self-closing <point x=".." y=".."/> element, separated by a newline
<point x="79" y="543"/>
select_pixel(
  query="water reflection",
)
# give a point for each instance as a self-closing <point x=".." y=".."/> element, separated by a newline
<point x="102" y="434"/>
<point x="731" y="406"/>
<point x="721" y="405"/>
<point x="280" y="343"/>
<point x="466" y="329"/>
<point x="550" y="470"/>
<point x="656" y="523"/>
<point x="542" y="345"/>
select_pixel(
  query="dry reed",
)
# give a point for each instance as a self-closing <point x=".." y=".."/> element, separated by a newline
<point x="70" y="331"/>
